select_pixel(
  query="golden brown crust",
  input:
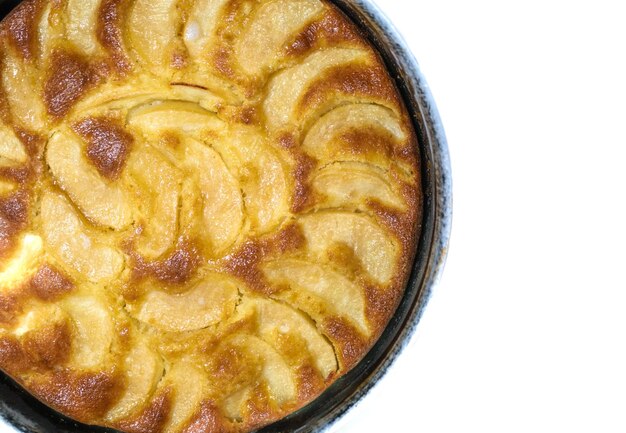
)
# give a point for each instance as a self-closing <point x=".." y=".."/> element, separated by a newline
<point x="109" y="32"/>
<point x="208" y="208"/>
<point x="208" y="420"/>
<point x="70" y="76"/>
<point x="20" y="26"/>
<point x="152" y="419"/>
<point x="108" y="144"/>
<point x="83" y="396"/>
<point x="49" y="283"/>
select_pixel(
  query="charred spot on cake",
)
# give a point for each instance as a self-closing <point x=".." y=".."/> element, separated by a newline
<point x="151" y="419"/>
<point x="70" y="76"/>
<point x="108" y="144"/>
<point x="356" y="80"/>
<point x="208" y="419"/>
<point x="50" y="284"/>
<point x="351" y="344"/>
<point x="48" y="346"/>
<point x="331" y="29"/>
<point x="19" y="28"/>
<point x="109" y="31"/>
<point x="84" y="396"/>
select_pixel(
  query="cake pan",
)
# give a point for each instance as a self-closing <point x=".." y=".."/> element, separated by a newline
<point x="20" y="412"/>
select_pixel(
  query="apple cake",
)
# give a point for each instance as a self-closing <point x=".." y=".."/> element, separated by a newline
<point x="208" y="208"/>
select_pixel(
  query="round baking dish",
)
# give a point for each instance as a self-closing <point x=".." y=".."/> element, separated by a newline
<point x="20" y="412"/>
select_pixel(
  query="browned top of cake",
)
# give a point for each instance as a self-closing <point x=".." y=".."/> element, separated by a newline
<point x="208" y="208"/>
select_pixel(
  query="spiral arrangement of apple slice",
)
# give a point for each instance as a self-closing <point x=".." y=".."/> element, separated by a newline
<point x="207" y="207"/>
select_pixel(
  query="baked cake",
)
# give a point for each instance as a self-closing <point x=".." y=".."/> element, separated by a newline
<point x="208" y="208"/>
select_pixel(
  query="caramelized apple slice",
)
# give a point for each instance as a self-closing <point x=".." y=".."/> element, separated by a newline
<point x="318" y="291"/>
<point x="158" y="196"/>
<point x="143" y="369"/>
<point x="264" y="37"/>
<point x="12" y="150"/>
<point x="353" y="184"/>
<point x="222" y="204"/>
<point x="207" y="304"/>
<point x="183" y="116"/>
<point x="288" y="87"/>
<point x="370" y="243"/>
<point x="262" y="175"/>
<point x="323" y="139"/>
<point x="81" y="20"/>
<point x="93" y="331"/>
<point x="103" y="202"/>
<point x="65" y="235"/>
<point x="24" y="262"/>
<point x="201" y="25"/>
<point x="275" y="371"/>
<point x="275" y="318"/>
<point x="152" y="27"/>
<point x="266" y="191"/>
<point x="24" y="102"/>
<point x="189" y="384"/>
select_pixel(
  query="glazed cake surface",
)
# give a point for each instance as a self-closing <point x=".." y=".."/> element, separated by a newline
<point x="208" y="208"/>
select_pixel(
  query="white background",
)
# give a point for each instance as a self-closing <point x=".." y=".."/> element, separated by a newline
<point x="527" y="330"/>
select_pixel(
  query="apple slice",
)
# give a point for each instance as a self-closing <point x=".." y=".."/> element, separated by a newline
<point x="25" y="103"/>
<point x="275" y="372"/>
<point x="152" y="28"/>
<point x="262" y="175"/>
<point x="158" y="196"/>
<point x="93" y="331"/>
<point x="318" y="291"/>
<point x="67" y="238"/>
<point x="183" y="116"/>
<point x="199" y="31"/>
<point x="12" y="150"/>
<point x="143" y="369"/>
<point x="189" y="384"/>
<point x="288" y="87"/>
<point x="371" y="244"/>
<point x="81" y="22"/>
<point x="264" y="37"/>
<point x="209" y="303"/>
<point x="275" y="318"/>
<point x="222" y="204"/>
<point x="323" y="140"/>
<point x="103" y="202"/>
<point x="352" y="184"/>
